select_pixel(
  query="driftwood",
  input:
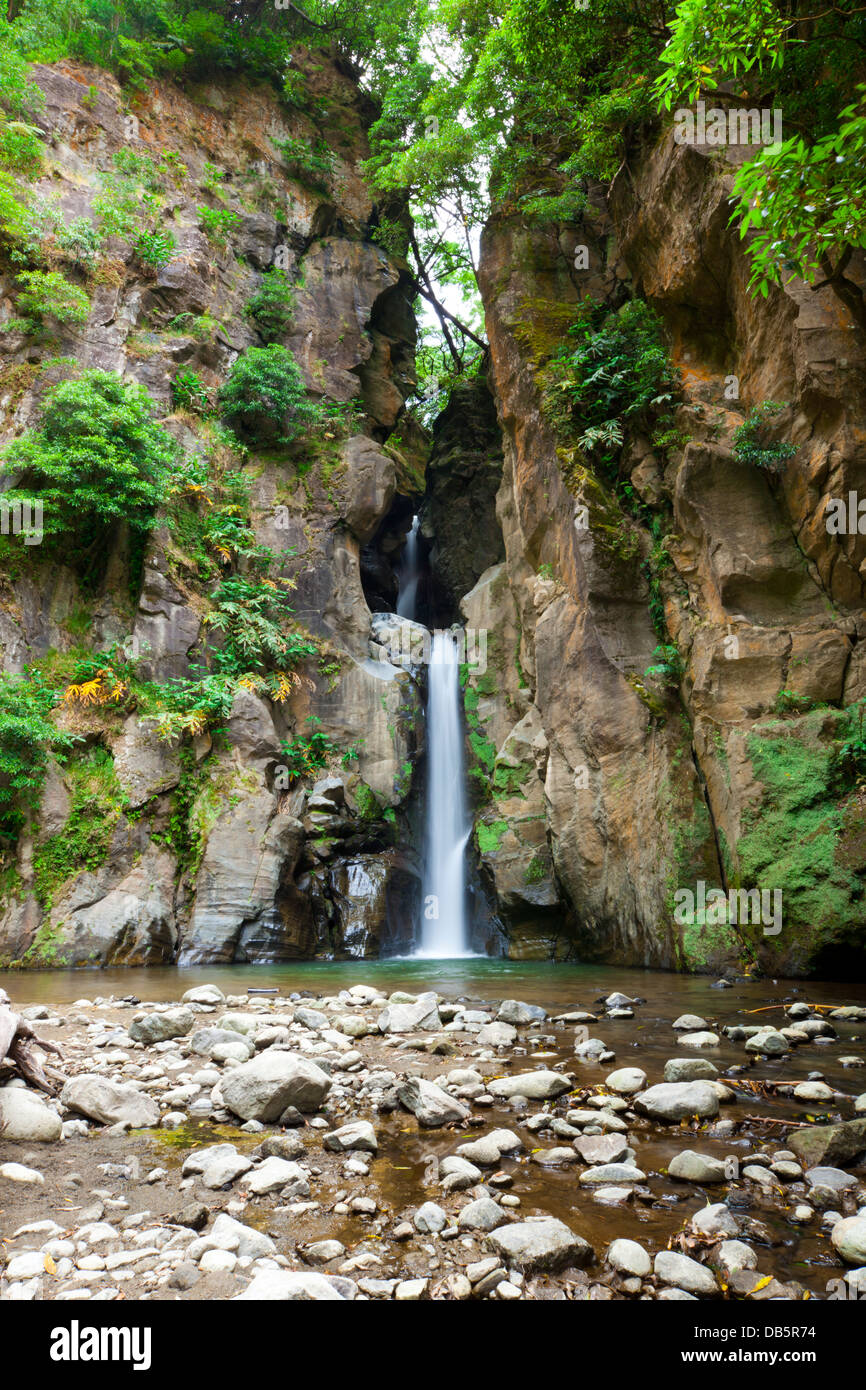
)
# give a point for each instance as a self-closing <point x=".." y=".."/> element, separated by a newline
<point x="18" y="1048"/>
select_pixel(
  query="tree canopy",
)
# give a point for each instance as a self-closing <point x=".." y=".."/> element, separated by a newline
<point x="519" y="106"/>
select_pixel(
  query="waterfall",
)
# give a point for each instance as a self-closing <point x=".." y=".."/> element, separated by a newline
<point x="447" y="826"/>
<point x="408" y="575"/>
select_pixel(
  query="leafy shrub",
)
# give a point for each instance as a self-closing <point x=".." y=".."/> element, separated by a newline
<point x="212" y="177"/>
<point x="218" y="224"/>
<point x="101" y="678"/>
<point x="20" y="147"/>
<point x="312" y="165"/>
<point x="272" y="306"/>
<point x="250" y="616"/>
<point x="306" y="755"/>
<point x="670" y="668"/>
<point x="27" y="737"/>
<point x="620" y="373"/>
<point x="137" y="167"/>
<point x="753" y="443"/>
<point x="789" y="702"/>
<point x="188" y="707"/>
<point x="48" y="294"/>
<point x="264" y="394"/>
<point x="847" y="767"/>
<point x="154" y="249"/>
<point x="188" y="392"/>
<point x="49" y="237"/>
<point x="97" y="456"/>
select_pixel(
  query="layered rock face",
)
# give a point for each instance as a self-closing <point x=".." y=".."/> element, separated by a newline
<point x="606" y="801"/>
<point x="269" y="868"/>
<point x="599" y="798"/>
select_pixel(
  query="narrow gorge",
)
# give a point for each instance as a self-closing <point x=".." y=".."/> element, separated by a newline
<point x="597" y="792"/>
<point x="432" y="634"/>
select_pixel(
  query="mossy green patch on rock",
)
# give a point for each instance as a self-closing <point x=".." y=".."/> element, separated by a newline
<point x="97" y="803"/>
<point x="489" y="835"/>
<point x="805" y="839"/>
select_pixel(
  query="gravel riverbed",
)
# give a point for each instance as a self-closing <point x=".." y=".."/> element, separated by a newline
<point x="365" y="1145"/>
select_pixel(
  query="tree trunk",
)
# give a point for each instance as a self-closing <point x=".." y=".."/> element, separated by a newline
<point x="18" y="1048"/>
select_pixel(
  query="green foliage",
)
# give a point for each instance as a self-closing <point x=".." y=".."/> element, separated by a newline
<point x="85" y="839"/>
<point x="535" y="871"/>
<point x="669" y="669"/>
<point x="27" y="737"/>
<point x="801" y="206"/>
<point x="657" y="563"/>
<point x="713" y="38"/>
<point x="188" y="392"/>
<point x="789" y="702"/>
<point x="154" y="249"/>
<point x="304" y="756"/>
<point x="618" y="374"/>
<point x="265" y="395"/>
<point x="753" y="442"/>
<point x="272" y="306"/>
<point x="250" y="617"/>
<point x="310" y="164"/>
<point x="21" y="148"/>
<point x="50" y="295"/>
<point x="189" y="706"/>
<point x="848" y="763"/>
<point x="96" y="456"/>
<point x="212" y="177"/>
<point x="45" y="235"/>
<point x="218" y="224"/>
<point x="798" y="202"/>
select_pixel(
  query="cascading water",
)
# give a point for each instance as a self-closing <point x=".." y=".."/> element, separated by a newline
<point x="447" y="825"/>
<point x="409" y="574"/>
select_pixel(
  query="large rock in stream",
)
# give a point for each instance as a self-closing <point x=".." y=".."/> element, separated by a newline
<point x="25" y="1118"/>
<point x="672" y="1101"/>
<point x="263" y="1088"/>
<point x="110" y="1102"/>
<point x="829" y="1144"/>
<point x="546" y="1244"/>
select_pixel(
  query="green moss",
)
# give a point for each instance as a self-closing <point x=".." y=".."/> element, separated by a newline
<point x="44" y="952"/>
<point x="542" y="324"/>
<point x="97" y="803"/>
<point x="509" y="781"/>
<point x="186" y="834"/>
<point x="536" y="870"/>
<point x="487" y="684"/>
<point x="802" y="838"/>
<point x="654" y="704"/>
<point x="367" y="802"/>
<point x="403" y="781"/>
<point x="489" y="835"/>
<point x="484" y="750"/>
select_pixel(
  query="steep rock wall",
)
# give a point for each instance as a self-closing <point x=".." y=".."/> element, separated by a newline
<point x="210" y="856"/>
<point x="724" y="784"/>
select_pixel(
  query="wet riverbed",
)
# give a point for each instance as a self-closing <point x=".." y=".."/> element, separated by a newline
<point x="401" y="1172"/>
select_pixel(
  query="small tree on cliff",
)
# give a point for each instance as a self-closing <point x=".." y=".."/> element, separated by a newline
<point x="265" y="397"/>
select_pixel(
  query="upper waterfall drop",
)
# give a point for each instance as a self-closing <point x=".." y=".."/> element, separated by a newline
<point x="409" y="574"/>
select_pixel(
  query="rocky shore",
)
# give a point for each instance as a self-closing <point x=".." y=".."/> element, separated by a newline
<point x="406" y="1147"/>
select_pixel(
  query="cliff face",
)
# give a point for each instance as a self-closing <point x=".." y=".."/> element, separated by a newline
<point x="729" y="783"/>
<point x="204" y="852"/>
<point x="599" y="798"/>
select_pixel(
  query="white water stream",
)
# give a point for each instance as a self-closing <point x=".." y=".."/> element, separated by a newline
<point x="446" y="822"/>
